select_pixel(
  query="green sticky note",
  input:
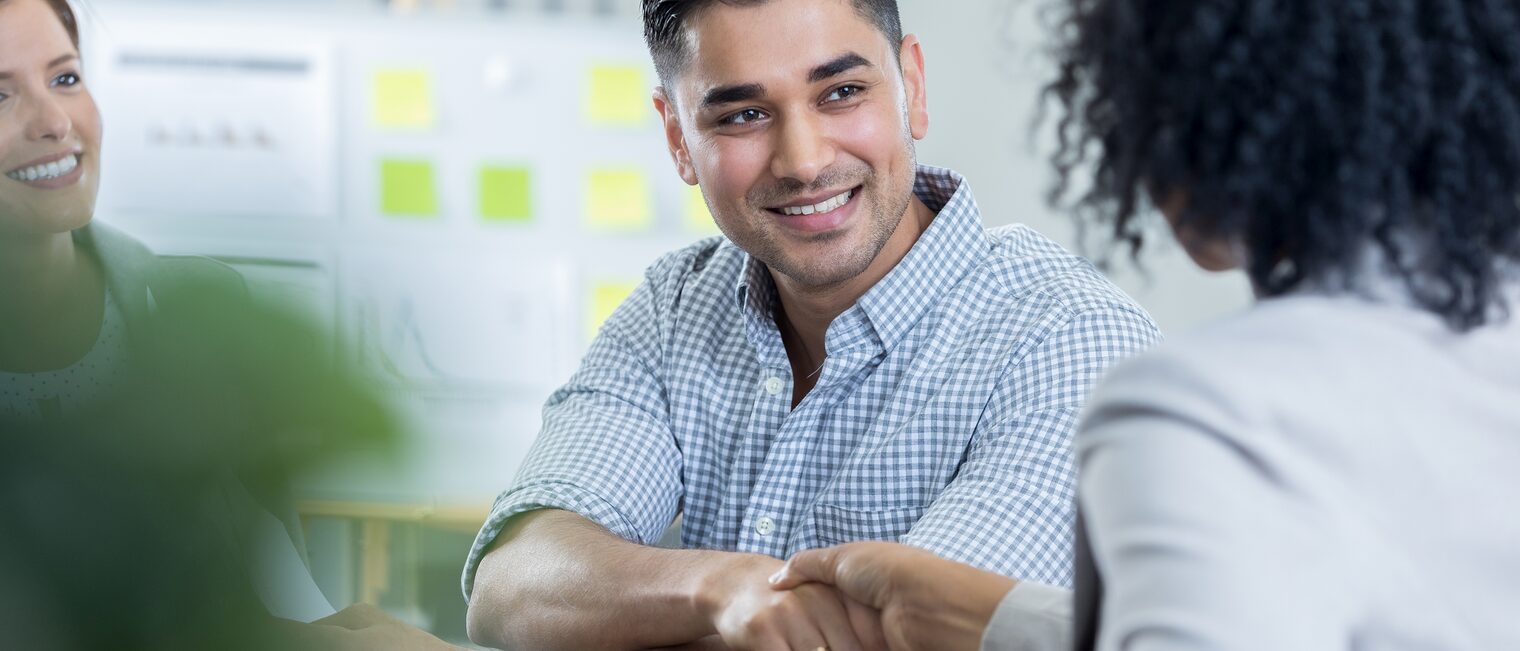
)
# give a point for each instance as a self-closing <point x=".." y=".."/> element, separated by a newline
<point x="698" y="218"/>
<point x="408" y="188"/>
<point x="617" y="95"/>
<point x="402" y="99"/>
<point x="604" y="298"/>
<point x="506" y="193"/>
<point x="618" y="200"/>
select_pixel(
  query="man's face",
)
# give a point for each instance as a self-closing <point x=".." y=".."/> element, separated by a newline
<point x="798" y="121"/>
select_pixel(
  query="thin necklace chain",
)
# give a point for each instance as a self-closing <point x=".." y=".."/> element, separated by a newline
<point x="803" y="346"/>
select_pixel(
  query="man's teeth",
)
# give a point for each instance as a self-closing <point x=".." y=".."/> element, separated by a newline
<point x="51" y="170"/>
<point x="826" y="206"/>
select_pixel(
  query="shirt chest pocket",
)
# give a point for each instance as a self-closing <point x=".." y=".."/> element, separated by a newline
<point x="836" y="525"/>
<point x="881" y="493"/>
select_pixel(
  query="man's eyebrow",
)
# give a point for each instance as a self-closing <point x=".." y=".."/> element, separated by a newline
<point x="745" y="92"/>
<point x="51" y="64"/>
<point x="839" y="66"/>
<point x="731" y="94"/>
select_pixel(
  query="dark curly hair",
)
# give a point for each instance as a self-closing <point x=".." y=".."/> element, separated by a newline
<point x="1309" y="131"/>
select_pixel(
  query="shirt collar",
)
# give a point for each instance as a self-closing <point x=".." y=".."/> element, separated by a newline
<point x="954" y="243"/>
<point x="755" y="290"/>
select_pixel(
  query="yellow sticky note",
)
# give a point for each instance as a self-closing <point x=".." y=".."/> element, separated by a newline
<point x="402" y="99"/>
<point x="617" y="200"/>
<point x="407" y="187"/>
<point x="617" y="95"/>
<point x="698" y="218"/>
<point x="506" y="193"/>
<point x="604" y="298"/>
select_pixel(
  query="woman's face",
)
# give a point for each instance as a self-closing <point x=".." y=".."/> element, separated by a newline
<point x="49" y="125"/>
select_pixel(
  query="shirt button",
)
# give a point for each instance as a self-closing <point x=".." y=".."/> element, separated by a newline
<point x="764" y="526"/>
<point x="774" y="385"/>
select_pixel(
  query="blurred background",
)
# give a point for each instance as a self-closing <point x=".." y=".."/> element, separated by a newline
<point x="463" y="190"/>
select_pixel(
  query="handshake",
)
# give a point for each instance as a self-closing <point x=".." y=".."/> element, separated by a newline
<point x="864" y="596"/>
<point x="554" y="580"/>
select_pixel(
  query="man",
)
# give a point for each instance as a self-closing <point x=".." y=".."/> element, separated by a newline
<point x="858" y="359"/>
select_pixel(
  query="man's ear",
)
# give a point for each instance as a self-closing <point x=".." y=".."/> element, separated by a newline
<point x="674" y="139"/>
<point x="915" y="85"/>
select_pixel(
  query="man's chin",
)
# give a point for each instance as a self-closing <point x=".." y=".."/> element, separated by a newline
<point x="821" y="270"/>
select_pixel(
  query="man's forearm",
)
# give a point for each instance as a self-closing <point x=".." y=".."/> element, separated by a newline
<point x="555" y="580"/>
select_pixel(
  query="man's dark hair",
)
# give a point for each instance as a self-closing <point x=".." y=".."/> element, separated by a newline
<point x="1310" y="132"/>
<point x="665" y="21"/>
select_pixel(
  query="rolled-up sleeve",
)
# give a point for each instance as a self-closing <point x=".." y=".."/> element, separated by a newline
<point x="1011" y="507"/>
<point x="606" y="450"/>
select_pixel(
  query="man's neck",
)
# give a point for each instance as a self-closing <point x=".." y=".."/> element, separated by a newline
<point x="810" y="310"/>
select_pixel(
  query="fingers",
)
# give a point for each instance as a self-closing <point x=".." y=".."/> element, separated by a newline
<point x="833" y="620"/>
<point x="825" y="566"/>
<point x="805" y="619"/>
<point x="814" y="565"/>
<point x="866" y="622"/>
<point x="805" y="640"/>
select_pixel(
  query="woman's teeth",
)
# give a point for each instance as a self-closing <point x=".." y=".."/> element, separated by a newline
<point x="826" y="206"/>
<point x="51" y="170"/>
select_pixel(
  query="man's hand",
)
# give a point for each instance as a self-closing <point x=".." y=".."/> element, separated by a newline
<point x="556" y="581"/>
<point x="926" y="602"/>
<point x="748" y="614"/>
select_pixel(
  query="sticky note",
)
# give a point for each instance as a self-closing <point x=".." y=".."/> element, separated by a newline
<point x="617" y="95"/>
<point x="698" y="218"/>
<point x="402" y="99"/>
<point x="605" y="297"/>
<point x="506" y="193"/>
<point x="408" y="188"/>
<point x="617" y="200"/>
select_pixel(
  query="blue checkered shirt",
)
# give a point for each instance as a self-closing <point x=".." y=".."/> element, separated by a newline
<point x="943" y="416"/>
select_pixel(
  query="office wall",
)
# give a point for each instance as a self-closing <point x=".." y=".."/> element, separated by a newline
<point x="344" y="155"/>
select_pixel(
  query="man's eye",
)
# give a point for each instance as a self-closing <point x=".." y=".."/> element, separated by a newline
<point x="66" y="79"/>
<point x="842" y="93"/>
<point x="744" y="117"/>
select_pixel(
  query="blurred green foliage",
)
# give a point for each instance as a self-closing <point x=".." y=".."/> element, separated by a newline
<point x="113" y="530"/>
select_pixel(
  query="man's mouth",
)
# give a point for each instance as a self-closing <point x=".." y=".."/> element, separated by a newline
<point x="825" y="206"/>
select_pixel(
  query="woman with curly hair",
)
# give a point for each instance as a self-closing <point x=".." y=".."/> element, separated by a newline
<point x="1333" y="468"/>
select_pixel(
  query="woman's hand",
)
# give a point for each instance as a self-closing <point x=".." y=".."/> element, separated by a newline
<point x="926" y="602"/>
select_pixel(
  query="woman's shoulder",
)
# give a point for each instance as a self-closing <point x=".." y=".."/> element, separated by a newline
<point x="1258" y="344"/>
<point x="1282" y="339"/>
<point x="189" y="272"/>
<point x="129" y="260"/>
<point x="1236" y="374"/>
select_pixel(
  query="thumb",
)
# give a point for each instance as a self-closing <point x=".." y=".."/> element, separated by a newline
<point x="811" y="566"/>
